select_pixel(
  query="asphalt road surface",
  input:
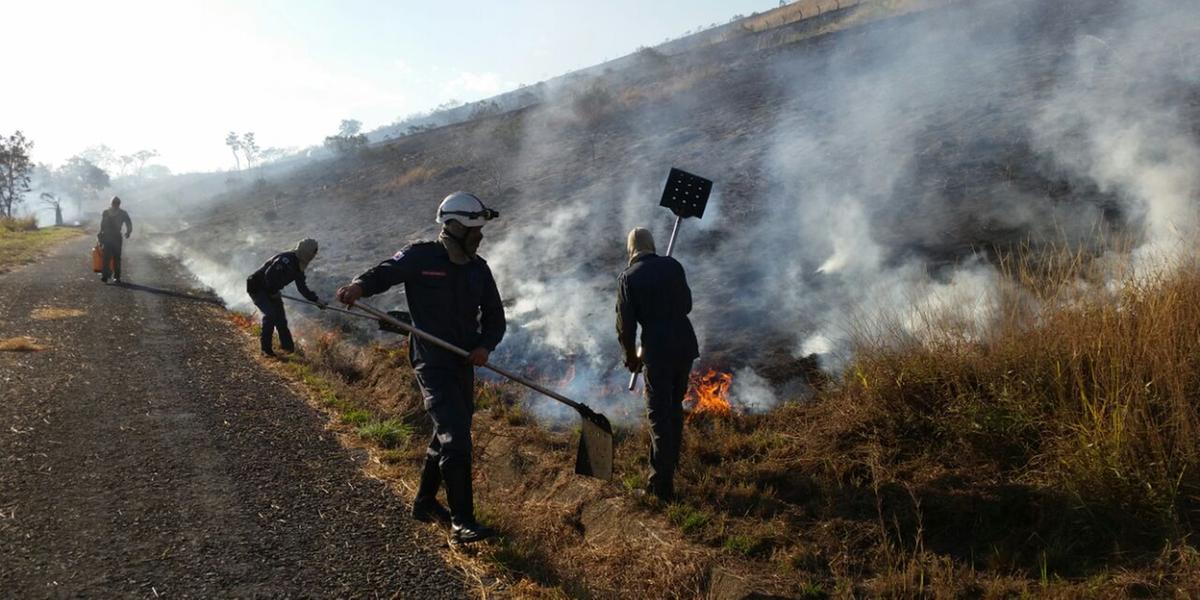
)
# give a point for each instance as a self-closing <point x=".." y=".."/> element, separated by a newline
<point x="144" y="453"/>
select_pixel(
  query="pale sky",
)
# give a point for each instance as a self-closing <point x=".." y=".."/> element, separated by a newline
<point x="177" y="76"/>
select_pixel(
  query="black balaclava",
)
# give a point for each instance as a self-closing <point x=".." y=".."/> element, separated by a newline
<point x="460" y="241"/>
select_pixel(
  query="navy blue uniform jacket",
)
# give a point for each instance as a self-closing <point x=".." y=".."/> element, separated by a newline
<point x="653" y="292"/>
<point x="458" y="303"/>
<point x="276" y="274"/>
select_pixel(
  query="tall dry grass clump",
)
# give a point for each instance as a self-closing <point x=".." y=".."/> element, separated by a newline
<point x="1084" y="383"/>
<point x="18" y="224"/>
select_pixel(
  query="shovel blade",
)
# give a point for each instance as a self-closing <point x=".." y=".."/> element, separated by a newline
<point x="595" y="456"/>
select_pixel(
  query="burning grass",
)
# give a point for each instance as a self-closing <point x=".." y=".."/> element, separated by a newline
<point x="1053" y="455"/>
<point x="708" y="395"/>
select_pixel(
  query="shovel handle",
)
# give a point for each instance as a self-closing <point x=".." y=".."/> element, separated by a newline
<point x="443" y="344"/>
<point x="327" y="307"/>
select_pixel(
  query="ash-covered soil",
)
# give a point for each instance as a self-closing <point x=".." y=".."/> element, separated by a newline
<point x="143" y="453"/>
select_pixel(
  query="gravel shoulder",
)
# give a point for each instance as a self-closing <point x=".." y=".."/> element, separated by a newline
<point x="143" y="453"/>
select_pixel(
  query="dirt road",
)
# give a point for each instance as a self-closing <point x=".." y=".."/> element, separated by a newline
<point x="144" y="454"/>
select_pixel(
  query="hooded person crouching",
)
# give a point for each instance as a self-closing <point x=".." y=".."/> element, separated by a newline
<point x="264" y="287"/>
<point x="653" y="293"/>
<point x="452" y="295"/>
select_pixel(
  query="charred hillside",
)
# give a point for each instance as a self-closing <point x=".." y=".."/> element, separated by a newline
<point x="871" y="169"/>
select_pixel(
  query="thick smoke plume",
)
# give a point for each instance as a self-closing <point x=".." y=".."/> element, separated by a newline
<point x="863" y="178"/>
<point x="867" y="210"/>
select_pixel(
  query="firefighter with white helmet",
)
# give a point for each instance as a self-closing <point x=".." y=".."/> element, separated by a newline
<point x="452" y="295"/>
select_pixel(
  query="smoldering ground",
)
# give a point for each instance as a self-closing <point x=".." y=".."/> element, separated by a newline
<point x="862" y="178"/>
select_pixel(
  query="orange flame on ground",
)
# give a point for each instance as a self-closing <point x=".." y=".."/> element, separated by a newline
<point x="708" y="395"/>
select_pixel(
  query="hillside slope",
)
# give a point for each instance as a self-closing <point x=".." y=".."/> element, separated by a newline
<point x="894" y="202"/>
<point x="892" y="158"/>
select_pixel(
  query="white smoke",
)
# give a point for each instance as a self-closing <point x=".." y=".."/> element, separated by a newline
<point x="851" y="193"/>
<point x="850" y="203"/>
<point x="1124" y="118"/>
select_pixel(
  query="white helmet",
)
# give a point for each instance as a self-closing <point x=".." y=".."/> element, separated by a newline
<point x="465" y="208"/>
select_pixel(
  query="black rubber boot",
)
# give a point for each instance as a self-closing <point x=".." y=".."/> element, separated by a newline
<point x="463" y="526"/>
<point x="265" y="336"/>
<point x="426" y="508"/>
<point x="285" y="338"/>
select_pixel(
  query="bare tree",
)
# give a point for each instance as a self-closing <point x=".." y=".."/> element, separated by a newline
<point x="125" y="161"/>
<point x="235" y="143"/>
<point x="50" y="201"/>
<point x="140" y="158"/>
<point x="15" y="167"/>
<point x="250" y="149"/>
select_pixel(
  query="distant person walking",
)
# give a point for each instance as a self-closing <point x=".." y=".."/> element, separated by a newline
<point x="451" y="294"/>
<point x="112" y="220"/>
<point x="653" y="293"/>
<point x="265" y="284"/>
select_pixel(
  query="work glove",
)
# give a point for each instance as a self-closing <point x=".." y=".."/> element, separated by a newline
<point x="349" y="294"/>
<point x="633" y="363"/>
<point x="478" y="357"/>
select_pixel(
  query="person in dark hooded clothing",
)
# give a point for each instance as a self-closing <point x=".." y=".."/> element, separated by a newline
<point x="452" y="295"/>
<point x="112" y="220"/>
<point x="653" y="292"/>
<point x="265" y="284"/>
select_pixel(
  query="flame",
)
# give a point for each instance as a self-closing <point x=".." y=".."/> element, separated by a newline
<point x="708" y="394"/>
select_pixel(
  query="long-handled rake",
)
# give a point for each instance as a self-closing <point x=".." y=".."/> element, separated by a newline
<point x="595" y="455"/>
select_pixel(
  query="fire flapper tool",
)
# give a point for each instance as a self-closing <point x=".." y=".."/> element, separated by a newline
<point x="686" y="195"/>
<point x="383" y="326"/>
<point x="595" y="455"/>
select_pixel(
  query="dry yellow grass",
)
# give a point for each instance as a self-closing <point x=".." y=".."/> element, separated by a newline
<point x="20" y="344"/>
<point x="413" y="176"/>
<point x="1054" y="455"/>
<point x="21" y="247"/>
<point x="47" y="313"/>
<point x="18" y="224"/>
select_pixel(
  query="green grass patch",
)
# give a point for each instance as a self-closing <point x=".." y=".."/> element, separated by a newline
<point x="389" y="433"/>
<point x="357" y="418"/>
<point x="811" y="591"/>
<point x="743" y="544"/>
<point x="687" y="518"/>
<point x="22" y="247"/>
<point x="634" y="481"/>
